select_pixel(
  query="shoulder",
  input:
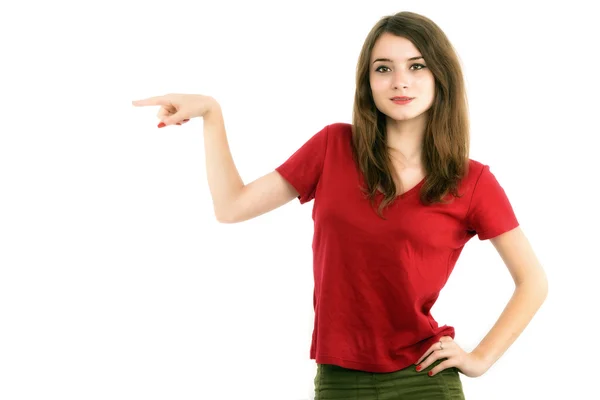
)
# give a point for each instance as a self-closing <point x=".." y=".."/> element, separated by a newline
<point x="336" y="130"/>
<point x="340" y="129"/>
<point x="339" y="134"/>
<point x="475" y="170"/>
<point x="481" y="178"/>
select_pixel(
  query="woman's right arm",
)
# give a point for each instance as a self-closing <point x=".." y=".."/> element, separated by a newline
<point x="232" y="200"/>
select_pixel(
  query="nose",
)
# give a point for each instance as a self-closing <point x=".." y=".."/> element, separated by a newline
<point x="400" y="78"/>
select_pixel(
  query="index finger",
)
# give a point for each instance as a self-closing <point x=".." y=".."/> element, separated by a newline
<point x="151" y="101"/>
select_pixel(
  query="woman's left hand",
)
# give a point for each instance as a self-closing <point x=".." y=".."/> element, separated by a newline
<point x="470" y="364"/>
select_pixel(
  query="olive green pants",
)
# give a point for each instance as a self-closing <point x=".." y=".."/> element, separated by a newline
<point x="334" y="382"/>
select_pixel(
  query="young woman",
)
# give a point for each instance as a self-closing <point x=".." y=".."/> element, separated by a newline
<point x="396" y="198"/>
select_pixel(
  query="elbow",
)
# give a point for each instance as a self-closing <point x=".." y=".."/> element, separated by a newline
<point x="226" y="212"/>
<point x="543" y="285"/>
<point x="226" y="221"/>
<point x="226" y="218"/>
<point x="537" y="284"/>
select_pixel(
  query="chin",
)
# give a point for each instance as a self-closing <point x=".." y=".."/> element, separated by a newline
<point x="398" y="116"/>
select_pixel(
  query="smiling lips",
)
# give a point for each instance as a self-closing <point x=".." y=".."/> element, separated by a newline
<point x="402" y="99"/>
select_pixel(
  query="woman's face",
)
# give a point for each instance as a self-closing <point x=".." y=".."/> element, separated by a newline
<point x="402" y="72"/>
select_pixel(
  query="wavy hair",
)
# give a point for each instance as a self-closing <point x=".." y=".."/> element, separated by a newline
<point x="446" y="140"/>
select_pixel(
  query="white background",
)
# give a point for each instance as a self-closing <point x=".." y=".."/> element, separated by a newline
<point x="116" y="280"/>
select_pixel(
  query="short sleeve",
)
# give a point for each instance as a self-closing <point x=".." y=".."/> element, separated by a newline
<point x="490" y="213"/>
<point x="303" y="169"/>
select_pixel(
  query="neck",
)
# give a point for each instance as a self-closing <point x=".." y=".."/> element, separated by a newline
<point x="405" y="141"/>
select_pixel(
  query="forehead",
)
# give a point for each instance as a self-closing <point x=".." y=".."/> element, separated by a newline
<point x="394" y="47"/>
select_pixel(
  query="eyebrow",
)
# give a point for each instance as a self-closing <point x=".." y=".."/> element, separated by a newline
<point x="388" y="60"/>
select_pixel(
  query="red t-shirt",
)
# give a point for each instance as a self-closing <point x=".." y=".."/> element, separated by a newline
<point x="376" y="280"/>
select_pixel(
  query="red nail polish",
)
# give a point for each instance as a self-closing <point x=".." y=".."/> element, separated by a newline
<point x="161" y="125"/>
<point x="419" y="368"/>
<point x="430" y="373"/>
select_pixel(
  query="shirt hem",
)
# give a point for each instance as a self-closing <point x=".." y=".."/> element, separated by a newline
<point x="387" y="367"/>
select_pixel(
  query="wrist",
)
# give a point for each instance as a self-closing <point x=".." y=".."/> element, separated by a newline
<point x="213" y="108"/>
<point x="483" y="357"/>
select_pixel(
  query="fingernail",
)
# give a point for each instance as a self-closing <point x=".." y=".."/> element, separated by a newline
<point x="179" y="123"/>
<point x="430" y="373"/>
<point x="161" y="125"/>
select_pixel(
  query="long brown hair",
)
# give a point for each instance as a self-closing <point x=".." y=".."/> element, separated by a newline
<point x="446" y="141"/>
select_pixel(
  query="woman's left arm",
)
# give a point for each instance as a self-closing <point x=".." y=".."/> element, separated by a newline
<point x="531" y="289"/>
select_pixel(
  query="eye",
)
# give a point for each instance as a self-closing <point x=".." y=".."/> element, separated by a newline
<point x="377" y="69"/>
<point x="421" y="66"/>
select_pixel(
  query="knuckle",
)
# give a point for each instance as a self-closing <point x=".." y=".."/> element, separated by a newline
<point x="445" y="364"/>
